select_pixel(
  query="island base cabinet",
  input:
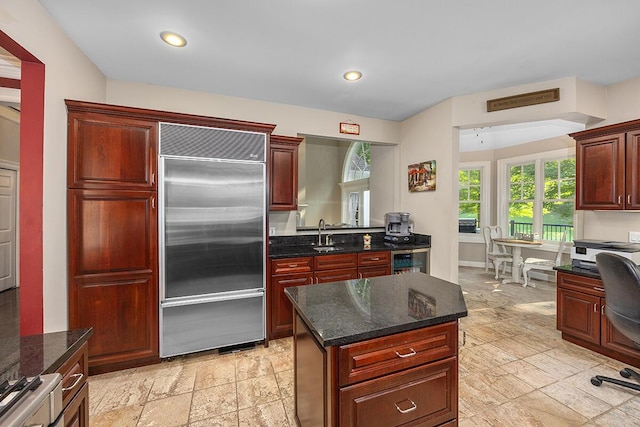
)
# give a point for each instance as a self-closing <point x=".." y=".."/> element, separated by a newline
<point x="76" y="414"/>
<point x="425" y="396"/>
<point x="419" y="389"/>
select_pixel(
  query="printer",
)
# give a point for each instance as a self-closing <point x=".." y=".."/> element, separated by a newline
<point x="583" y="252"/>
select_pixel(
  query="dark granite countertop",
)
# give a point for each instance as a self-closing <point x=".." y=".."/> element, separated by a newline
<point x="349" y="311"/>
<point x="40" y="354"/>
<point x="301" y="246"/>
<point x="33" y="354"/>
<point x="594" y="274"/>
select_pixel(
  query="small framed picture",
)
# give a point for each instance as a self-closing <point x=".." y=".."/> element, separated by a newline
<point x="422" y="176"/>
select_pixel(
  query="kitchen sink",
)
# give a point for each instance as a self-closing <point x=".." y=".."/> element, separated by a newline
<point x="325" y="248"/>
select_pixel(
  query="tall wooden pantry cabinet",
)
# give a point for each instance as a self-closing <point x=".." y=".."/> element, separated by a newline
<point x="112" y="228"/>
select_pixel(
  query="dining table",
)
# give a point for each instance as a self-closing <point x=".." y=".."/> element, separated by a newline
<point x="516" y="253"/>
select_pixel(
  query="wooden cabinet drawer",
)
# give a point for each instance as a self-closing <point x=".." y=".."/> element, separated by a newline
<point x="580" y="284"/>
<point x="579" y="315"/>
<point x="292" y="265"/>
<point x="335" y="261"/>
<point x="375" y="271"/>
<point x="380" y="356"/>
<point x="366" y="259"/>
<point x="336" y="275"/>
<point x="74" y="373"/>
<point x="425" y="396"/>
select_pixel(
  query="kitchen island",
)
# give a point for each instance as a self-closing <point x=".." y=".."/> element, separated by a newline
<point x="377" y="351"/>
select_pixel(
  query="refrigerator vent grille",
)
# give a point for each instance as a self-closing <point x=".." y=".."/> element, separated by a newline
<point x="211" y="143"/>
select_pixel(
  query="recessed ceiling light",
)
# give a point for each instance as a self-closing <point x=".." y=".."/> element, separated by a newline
<point x="352" y="75"/>
<point x="173" y="39"/>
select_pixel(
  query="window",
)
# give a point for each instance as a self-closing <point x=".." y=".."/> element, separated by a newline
<point x="355" y="184"/>
<point x="473" y="194"/>
<point x="539" y="194"/>
<point x="469" y="200"/>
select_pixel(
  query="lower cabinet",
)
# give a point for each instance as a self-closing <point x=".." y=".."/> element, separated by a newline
<point x="76" y="414"/>
<point x="408" y="378"/>
<point x="581" y="319"/>
<point x="75" y="389"/>
<point x="286" y="272"/>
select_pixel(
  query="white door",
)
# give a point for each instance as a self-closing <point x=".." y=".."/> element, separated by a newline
<point x="7" y="229"/>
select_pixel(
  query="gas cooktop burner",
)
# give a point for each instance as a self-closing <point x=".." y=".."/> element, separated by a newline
<point x="31" y="401"/>
<point x="11" y="393"/>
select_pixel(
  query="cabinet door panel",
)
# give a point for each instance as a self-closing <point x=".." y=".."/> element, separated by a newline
<point x="600" y="172"/>
<point x="109" y="152"/>
<point x="283" y="173"/>
<point x="579" y="315"/>
<point x="113" y="231"/>
<point x="632" y="169"/>
<point x="615" y="341"/>
<point x="426" y="394"/>
<point x="123" y="311"/>
<point x="281" y="308"/>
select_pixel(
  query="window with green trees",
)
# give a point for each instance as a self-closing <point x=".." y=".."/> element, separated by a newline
<point x="541" y="197"/>
<point x="469" y="191"/>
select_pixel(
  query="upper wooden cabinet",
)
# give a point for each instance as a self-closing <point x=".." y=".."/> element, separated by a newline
<point x="104" y="153"/>
<point x="607" y="163"/>
<point x="283" y="178"/>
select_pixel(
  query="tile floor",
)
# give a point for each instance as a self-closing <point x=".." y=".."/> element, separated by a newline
<point x="515" y="370"/>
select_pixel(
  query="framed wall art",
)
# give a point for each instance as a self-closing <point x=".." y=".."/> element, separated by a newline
<point x="422" y="176"/>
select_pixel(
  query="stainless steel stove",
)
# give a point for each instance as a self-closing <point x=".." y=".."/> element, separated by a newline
<point x="31" y="401"/>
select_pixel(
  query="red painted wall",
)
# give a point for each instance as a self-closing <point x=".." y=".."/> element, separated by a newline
<point x="31" y="186"/>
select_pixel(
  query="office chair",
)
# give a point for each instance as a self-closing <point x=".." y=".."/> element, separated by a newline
<point x="621" y="281"/>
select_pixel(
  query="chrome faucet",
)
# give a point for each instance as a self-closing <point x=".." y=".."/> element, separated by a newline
<point x="321" y="227"/>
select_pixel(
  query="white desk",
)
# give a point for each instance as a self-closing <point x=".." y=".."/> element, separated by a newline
<point x="517" y="245"/>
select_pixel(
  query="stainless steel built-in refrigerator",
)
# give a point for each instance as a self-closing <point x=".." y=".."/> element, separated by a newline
<point x="212" y="238"/>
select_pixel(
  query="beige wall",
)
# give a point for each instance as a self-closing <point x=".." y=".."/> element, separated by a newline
<point x="9" y="135"/>
<point x="68" y="74"/>
<point x="429" y="135"/>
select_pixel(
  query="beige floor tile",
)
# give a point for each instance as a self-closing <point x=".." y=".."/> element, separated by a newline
<point x="213" y="401"/>
<point x="285" y="383"/>
<point x="257" y="391"/>
<point x="126" y="416"/>
<point x="178" y="381"/>
<point x="168" y="412"/>
<point x="485" y="356"/>
<point x="505" y="383"/>
<point x="529" y="373"/>
<point x="552" y="366"/>
<point x="269" y="414"/>
<point x="478" y="394"/>
<point x="215" y="372"/>
<point x="580" y="401"/>
<point x="225" y="420"/>
<point x="253" y="367"/>
<point x="532" y="410"/>
<point x="127" y="393"/>
<point x="290" y="409"/>
<point x="515" y="348"/>
<point x="281" y="360"/>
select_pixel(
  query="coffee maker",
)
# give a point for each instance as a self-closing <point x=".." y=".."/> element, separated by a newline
<point x="398" y="228"/>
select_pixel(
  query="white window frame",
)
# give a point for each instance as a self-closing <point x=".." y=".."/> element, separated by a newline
<point x="503" y="190"/>
<point x="485" y="198"/>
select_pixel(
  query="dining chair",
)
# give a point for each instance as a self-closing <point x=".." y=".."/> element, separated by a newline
<point x="495" y="252"/>
<point x="543" y="264"/>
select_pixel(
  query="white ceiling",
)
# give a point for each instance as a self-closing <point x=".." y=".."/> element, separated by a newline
<point x="413" y="53"/>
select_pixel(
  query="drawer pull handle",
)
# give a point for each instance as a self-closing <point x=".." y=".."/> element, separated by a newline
<point x="78" y="378"/>
<point x="406" y="411"/>
<point x="413" y="353"/>
<point x="375" y="259"/>
<point x="598" y="289"/>
<point x="292" y="265"/>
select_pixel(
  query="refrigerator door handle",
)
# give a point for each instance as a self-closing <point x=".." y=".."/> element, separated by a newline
<point x="203" y="299"/>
